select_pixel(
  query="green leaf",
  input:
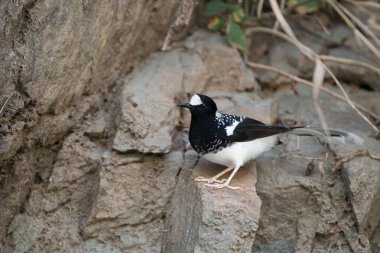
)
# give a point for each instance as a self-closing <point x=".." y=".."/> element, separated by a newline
<point x="215" y="7"/>
<point x="215" y="23"/>
<point x="304" y="7"/>
<point x="235" y="35"/>
<point x="232" y="7"/>
<point x="238" y="15"/>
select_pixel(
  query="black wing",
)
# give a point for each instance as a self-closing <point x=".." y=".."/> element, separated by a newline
<point x="249" y="129"/>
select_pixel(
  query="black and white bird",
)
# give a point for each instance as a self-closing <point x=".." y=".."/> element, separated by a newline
<point x="232" y="140"/>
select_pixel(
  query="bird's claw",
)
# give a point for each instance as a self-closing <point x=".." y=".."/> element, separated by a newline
<point x="210" y="180"/>
<point x="224" y="185"/>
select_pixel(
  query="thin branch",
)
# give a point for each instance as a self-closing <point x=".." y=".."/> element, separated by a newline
<point x="320" y="67"/>
<point x="348" y="100"/>
<point x="5" y="104"/>
<point x="351" y="62"/>
<point x="360" y="24"/>
<point x="369" y="4"/>
<point x="359" y="153"/>
<point x="308" y="83"/>
<point x="259" y="8"/>
<point x="342" y="60"/>
<point x="312" y="55"/>
<point x="357" y="33"/>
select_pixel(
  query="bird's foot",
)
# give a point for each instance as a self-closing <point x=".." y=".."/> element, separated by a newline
<point x="224" y="185"/>
<point x="210" y="180"/>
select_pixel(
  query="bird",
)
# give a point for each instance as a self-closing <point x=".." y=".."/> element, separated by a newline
<point x="233" y="140"/>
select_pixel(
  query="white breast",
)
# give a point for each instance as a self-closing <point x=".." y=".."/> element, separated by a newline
<point x="241" y="152"/>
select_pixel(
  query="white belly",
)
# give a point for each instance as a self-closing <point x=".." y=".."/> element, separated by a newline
<point x="241" y="152"/>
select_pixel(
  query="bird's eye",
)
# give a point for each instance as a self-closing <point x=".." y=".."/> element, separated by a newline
<point x="203" y="105"/>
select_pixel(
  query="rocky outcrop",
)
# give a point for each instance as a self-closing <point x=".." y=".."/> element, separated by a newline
<point x="58" y="62"/>
<point x="306" y="206"/>
<point x="114" y="172"/>
<point x="92" y="196"/>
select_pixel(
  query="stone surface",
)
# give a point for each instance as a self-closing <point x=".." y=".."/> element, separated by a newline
<point x="207" y="220"/>
<point x="147" y="117"/>
<point x="57" y="63"/>
<point x="133" y="193"/>
<point x="210" y="65"/>
<point x="305" y="206"/>
<point x="362" y="176"/>
<point x="25" y="231"/>
<point x="61" y="171"/>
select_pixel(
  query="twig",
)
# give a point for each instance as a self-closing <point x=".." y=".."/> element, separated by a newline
<point x="349" y="101"/>
<point x="320" y="67"/>
<point x="324" y="28"/>
<point x="276" y="24"/>
<point x="259" y="8"/>
<point x="311" y="54"/>
<point x="342" y="60"/>
<point x="359" y="153"/>
<point x="360" y="24"/>
<point x="308" y="83"/>
<point x="357" y="33"/>
<point x="5" y="104"/>
<point x="318" y="77"/>
<point x="367" y="43"/>
<point x="369" y="4"/>
<point x="351" y="62"/>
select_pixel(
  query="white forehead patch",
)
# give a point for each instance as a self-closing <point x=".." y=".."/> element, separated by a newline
<point x="196" y="100"/>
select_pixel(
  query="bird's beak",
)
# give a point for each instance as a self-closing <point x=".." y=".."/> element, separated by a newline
<point x="186" y="105"/>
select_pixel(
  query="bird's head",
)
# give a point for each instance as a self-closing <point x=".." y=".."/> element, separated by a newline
<point x="200" y="105"/>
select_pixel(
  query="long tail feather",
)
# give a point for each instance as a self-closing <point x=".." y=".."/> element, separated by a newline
<point x="342" y="135"/>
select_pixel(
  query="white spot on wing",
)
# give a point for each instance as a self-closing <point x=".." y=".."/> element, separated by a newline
<point x="218" y="115"/>
<point x="230" y="129"/>
<point x="196" y="100"/>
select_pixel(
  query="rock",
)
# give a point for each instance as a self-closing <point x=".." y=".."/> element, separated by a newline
<point x="94" y="245"/>
<point x="97" y="127"/>
<point x="206" y="220"/>
<point x="144" y="129"/>
<point x="63" y="201"/>
<point x="262" y="110"/>
<point x="78" y="157"/>
<point x="229" y="219"/>
<point x="207" y="70"/>
<point x="25" y="231"/>
<point x="133" y="194"/>
<point x="353" y="73"/>
<point x="305" y="206"/>
<point x="53" y="58"/>
<point x="362" y="177"/>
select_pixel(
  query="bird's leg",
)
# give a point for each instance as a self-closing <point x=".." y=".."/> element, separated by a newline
<point x="214" y="179"/>
<point x="227" y="183"/>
